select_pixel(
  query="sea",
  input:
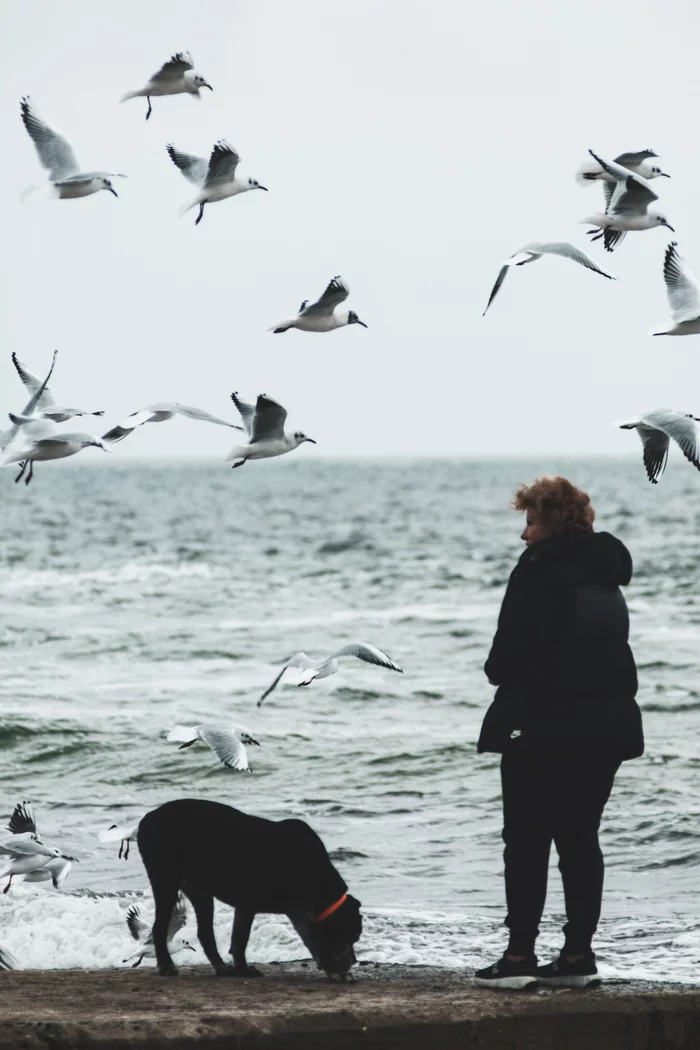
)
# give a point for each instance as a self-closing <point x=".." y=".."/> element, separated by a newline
<point x="141" y="595"/>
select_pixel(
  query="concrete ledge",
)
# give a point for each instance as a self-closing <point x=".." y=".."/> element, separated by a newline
<point x="296" y="1008"/>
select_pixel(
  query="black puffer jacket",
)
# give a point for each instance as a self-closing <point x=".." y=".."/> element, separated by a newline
<point x="561" y="660"/>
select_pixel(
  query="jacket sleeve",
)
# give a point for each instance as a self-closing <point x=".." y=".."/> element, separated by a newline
<point x="529" y="625"/>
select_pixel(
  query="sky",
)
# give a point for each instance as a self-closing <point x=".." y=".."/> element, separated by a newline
<point x="410" y="147"/>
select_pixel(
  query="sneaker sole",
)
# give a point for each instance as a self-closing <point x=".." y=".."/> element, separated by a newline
<point x="570" y="980"/>
<point x="513" y="983"/>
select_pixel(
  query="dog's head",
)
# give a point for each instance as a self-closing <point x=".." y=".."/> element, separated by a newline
<point x="331" y="934"/>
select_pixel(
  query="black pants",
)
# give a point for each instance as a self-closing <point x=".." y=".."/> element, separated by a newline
<point x="554" y="798"/>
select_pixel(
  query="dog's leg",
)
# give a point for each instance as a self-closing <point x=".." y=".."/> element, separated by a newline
<point x="165" y="895"/>
<point x="242" y="922"/>
<point x="203" y="904"/>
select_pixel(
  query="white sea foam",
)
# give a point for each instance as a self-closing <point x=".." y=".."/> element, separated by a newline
<point x="46" y="930"/>
<point x="57" y="931"/>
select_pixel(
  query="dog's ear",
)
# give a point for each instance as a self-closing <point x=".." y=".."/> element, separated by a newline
<point x="354" y="900"/>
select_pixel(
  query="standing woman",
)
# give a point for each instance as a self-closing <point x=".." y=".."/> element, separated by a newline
<point x="564" y="717"/>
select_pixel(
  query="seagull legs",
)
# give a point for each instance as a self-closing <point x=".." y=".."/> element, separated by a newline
<point x="23" y="467"/>
<point x="30" y="473"/>
<point x="199" y="217"/>
<point x="9" y="883"/>
<point x="150" y="107"/>
<point x="240" y="463"/>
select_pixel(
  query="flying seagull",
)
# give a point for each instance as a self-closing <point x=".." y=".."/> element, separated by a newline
<point x="628" y="208"/>
<point x="8" y="436"/>
<point x="124" y="836"/>
<point x="46" y="407"/>
<point x="656" y="430"/>
<point x="683" y="294"/>
<point x="264" y="425"/>
<point x="38" y="446"/>
<point x="227" y="741"/>
<point x="22" y="856"/>
<point x="535" y="250"/>
<point x="158" y="413"/>
<point x="322" y="316"/>
<point x="640" y="163"/>
<point x="328" y="665"/>
<point x="23" y="822"/>
<point x="215" y="179"/>
<point x="23" y="426"/>
<point x="177" y="76"/>
<point x="56" y="155"/>
<point x="141" y="932"/>
<point x="55" y="870"/>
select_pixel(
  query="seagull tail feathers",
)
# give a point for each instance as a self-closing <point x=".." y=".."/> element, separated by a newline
<point x="131" y="94"/>
<point x="13" y="455"/>
<point x="115" y="834"/>
<point x="35" y="194"/>
<point x="587" y="172"/>
<point x="186" y="734"/>
<point x="188" y="206"/>
<point x="236" y="453"/>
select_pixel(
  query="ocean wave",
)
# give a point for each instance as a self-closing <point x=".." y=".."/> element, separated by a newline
<point x="131" y="572"/>
<point x="344" y="692"/>
<point x="343" y="853"/>
<point x="48" y="930"/>
<point x="353" y="541"/>
<point x="402" y="614"/>
<point x="17" y="729"/>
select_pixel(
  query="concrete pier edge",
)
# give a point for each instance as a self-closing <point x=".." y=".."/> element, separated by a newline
<point x="296" y="1008"/>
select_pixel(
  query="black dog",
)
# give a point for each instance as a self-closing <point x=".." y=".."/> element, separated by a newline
<point x="208" y="850"/>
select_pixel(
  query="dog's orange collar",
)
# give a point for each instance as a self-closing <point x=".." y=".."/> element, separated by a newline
<point x="331" y="908"/>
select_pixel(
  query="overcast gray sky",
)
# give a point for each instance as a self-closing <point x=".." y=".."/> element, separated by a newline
<point x="410" y="147"/>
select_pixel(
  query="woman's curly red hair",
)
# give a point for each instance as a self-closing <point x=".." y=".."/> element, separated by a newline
<point x="557" y="504"/>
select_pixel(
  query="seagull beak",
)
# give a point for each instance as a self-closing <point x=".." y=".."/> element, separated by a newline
<point x="311" y="440"/>
<point x="664" y="175"/>
<point x="358" y="321"/>
<point x="211" y="89"/>
<point x="669" y="227"/>
<point x="189" y="946"/>
<point x="112" y="190"/>
<point x="259" y="187"/>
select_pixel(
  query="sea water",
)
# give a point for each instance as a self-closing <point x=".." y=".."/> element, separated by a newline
<point x="134" y="597"/>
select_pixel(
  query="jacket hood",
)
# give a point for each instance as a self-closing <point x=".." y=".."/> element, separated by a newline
<point x="603" y="555"/>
